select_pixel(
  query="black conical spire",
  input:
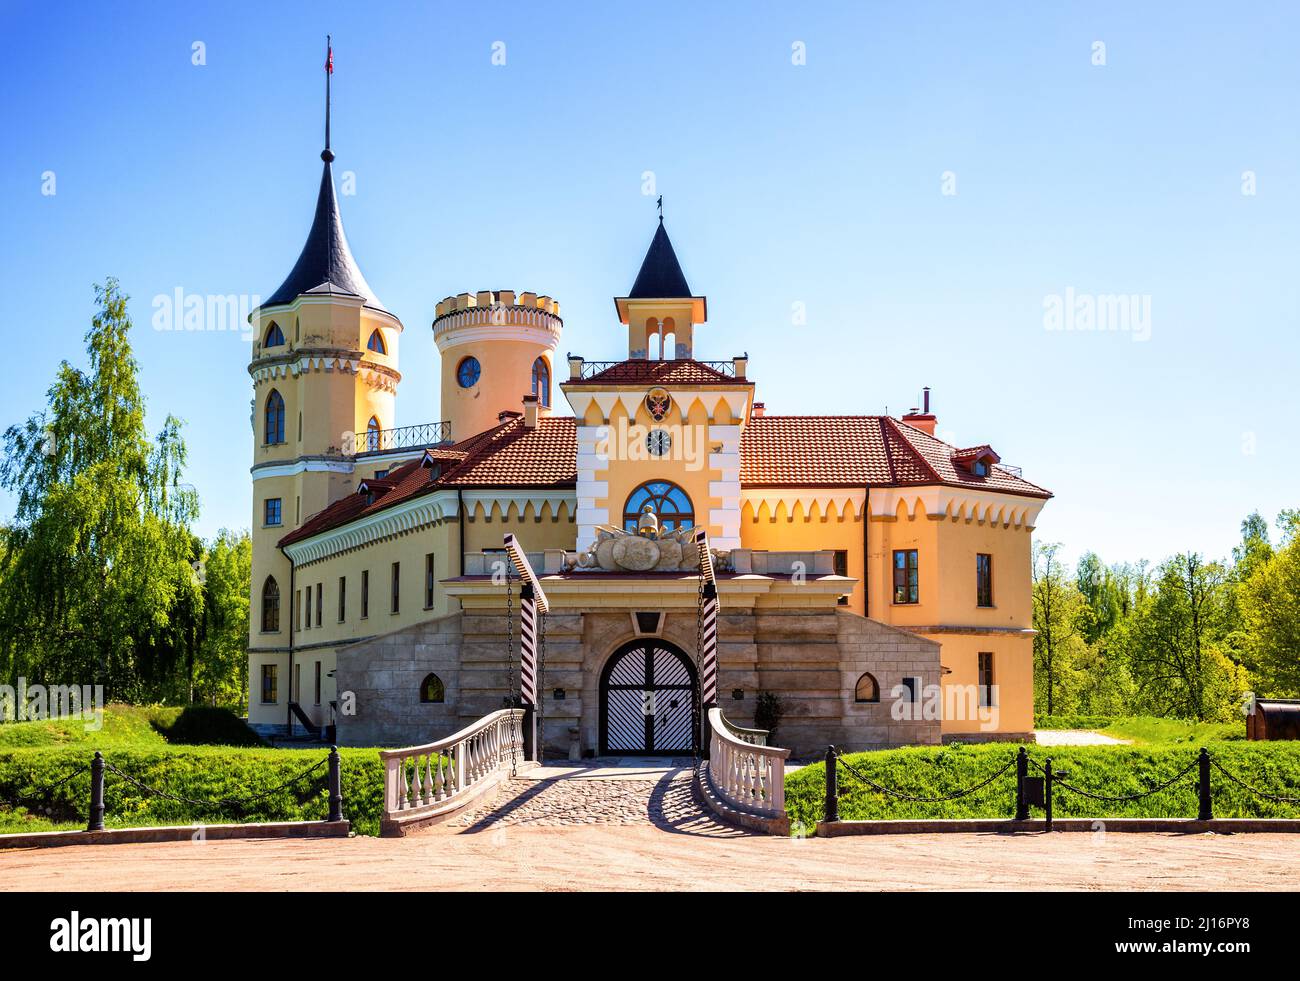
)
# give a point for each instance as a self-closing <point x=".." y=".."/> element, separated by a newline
<point x="325" y="264"/>
<point x="661" y="275"/>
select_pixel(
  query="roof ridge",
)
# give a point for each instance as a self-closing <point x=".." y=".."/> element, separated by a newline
<point x="917" y="454"/>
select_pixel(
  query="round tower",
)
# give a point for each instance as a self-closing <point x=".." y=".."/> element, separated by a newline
<point x="496" y="347"/>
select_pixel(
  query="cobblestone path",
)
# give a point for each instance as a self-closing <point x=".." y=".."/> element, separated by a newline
<point x="667" y="802"/>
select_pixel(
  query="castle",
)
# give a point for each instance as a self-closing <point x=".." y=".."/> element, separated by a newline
<point x="874" y="582"/>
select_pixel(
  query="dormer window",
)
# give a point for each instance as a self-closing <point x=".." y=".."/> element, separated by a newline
<point x="976" y="460"/>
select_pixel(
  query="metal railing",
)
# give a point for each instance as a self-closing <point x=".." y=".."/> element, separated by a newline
<point x="590" y="369"/>
<point x="401" y="438"/>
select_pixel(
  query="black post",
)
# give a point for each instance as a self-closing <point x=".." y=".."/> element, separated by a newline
<point x="531" y="749"/>
<point x="96" y="793"/>
<point x="1206" y="810"/>
<point x="1022" y="772"/>
<point x="336" y="787"/>
<point x="1047" y="796"/>
<point x="832" y="787"/>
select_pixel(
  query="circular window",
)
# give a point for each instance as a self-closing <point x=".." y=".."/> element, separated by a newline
<point x="659" y="441"/>
<point x="468" y="372"/>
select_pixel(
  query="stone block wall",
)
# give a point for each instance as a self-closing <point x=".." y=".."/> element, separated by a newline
<point x="811" y="659"/>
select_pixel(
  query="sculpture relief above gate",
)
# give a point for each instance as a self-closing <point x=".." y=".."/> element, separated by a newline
<point x="649" y="550"/>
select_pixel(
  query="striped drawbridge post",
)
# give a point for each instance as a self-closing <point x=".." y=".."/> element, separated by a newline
<point x="532" y="606"/>
<point x="708" y="633"/>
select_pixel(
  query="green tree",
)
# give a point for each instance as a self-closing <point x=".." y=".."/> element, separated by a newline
<point x="1058" y="611"/>
<point x="98" y="584"/>
<point x="1269" y="600"/>
<point x="222" y="673"/>
<point x="1177" y="642"/>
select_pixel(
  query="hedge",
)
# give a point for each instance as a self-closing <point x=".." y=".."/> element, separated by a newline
<point x="1107" y="770"/>
<point x="201" y="773"/>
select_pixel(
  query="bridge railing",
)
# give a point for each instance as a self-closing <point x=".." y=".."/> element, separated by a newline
<point x="423" y="783"/>
<point x="745" y="772"/>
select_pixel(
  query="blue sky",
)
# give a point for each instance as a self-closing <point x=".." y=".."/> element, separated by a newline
<point x="821" y="184"/>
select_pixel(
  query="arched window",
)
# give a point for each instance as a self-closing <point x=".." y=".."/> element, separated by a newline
<point x="270" y="605"/>
<point x="542" y="382"/>
<point x="376" y="342"/>
<point x="432" y="689"/>
<point x="274" y="336"/>
<point x="372" y="433"/>
<point x="666" y="500"/>
<point x="274" y="418"/>
<point x="867" y="690"/>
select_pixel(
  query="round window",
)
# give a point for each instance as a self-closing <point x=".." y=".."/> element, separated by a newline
<point x="468" y="372"/>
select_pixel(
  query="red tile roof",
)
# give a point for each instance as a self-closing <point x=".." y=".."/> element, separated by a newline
<point x="776" y="451"/>
<point x="647" y="372"/>
<point x="508" y="455"/>
<point x="852" y="451"/>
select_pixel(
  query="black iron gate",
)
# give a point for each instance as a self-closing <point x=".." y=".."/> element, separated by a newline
<point x="647" y="701"/>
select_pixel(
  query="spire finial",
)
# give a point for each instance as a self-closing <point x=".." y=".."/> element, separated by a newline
<point x="327" y="154"/>
<point x="660" y="205"/>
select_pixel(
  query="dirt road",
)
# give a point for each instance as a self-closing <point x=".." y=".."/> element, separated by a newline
<point x="649" y="858"/>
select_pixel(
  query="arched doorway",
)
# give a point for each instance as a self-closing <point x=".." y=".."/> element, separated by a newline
<point x="647" y="701"/>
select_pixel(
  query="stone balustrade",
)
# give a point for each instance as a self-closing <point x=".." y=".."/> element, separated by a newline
<point x="425" y="784"/>
<point x="745" y="772"/>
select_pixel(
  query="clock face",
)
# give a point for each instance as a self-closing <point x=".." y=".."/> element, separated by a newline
<point x="658" y="441"/>
<point x="467" y="373"/>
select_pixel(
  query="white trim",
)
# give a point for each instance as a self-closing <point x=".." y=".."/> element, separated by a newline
<point x="302" y="466"/>
<point x="415" y="513"/>
<point x="822" y="497"/>
<point x="956" y="502"/>
<point x="453" y="335"/>
<point x="326" y="299"/>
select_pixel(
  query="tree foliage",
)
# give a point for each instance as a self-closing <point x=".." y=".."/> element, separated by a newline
<point x="98" y="581"/>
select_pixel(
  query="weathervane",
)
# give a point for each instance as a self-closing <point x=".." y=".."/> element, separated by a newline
<point x="327" y="154"/>
<point x="660" y="205"/>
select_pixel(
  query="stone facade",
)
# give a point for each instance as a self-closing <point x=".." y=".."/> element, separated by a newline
<point x="811" y="659"/>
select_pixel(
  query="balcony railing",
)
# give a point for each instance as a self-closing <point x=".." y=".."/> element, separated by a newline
<point x="589" y="369"/>
<point x="401" y="438"/>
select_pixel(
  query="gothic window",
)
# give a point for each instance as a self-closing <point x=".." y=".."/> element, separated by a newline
<point x="372" y="433"/>
<point x="376" y="342"/>
<point x="542" y="382"/>
<point x="274" y="418"/>
<point x="270" y="605"/>
<point x="666" y="500"/>
<point x="274" y="336"/>
<point x="867" y="689"/>
<point x="432" y="689"/>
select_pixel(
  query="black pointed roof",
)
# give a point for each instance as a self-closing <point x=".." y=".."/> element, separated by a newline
<point x="325" y="264"/>
<point x="661" y="274"/>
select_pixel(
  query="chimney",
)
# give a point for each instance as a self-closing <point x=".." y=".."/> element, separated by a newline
<point x="757" y="411"/>
<point x="530" y="411"/>
<point x="922" y="419"/>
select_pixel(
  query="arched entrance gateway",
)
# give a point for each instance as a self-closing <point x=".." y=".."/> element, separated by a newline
<point x="647" y="700"/>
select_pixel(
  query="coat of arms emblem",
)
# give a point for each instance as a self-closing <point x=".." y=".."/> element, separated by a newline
<point x="657" y="403"/>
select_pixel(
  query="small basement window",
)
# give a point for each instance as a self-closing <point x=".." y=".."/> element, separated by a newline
<point x="867" y="689"/>
<point x="432" y="690"/>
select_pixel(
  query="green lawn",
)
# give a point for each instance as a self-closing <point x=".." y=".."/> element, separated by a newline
<point x="157" y="747"/>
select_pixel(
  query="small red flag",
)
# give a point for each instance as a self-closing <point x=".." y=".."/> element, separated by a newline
<point x="329" y="60"/>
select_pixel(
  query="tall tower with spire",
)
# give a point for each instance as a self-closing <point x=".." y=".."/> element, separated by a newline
<point x="659" y="310"/>
<point x="324" y="370"/>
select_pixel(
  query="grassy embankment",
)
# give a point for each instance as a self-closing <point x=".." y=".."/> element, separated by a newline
<point x="201" y="754"/>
